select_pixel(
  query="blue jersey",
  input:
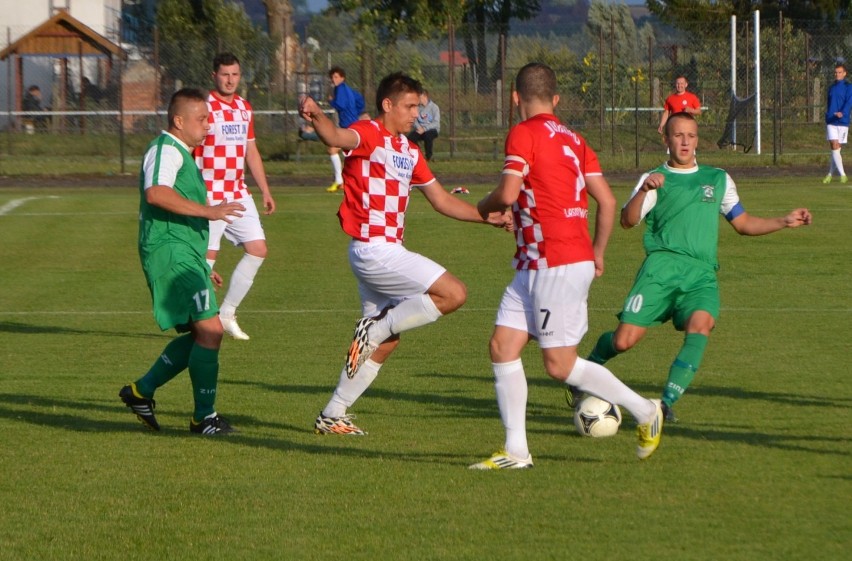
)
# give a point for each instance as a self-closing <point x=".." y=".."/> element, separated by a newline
<point x="839" y="101"/>
<point x="348" y="103"/>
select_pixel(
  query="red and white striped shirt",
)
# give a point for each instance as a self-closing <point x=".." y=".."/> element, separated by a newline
<point x="551" y="213"/>
<point x="377" y="177"/>
<point x="222" y="156"/>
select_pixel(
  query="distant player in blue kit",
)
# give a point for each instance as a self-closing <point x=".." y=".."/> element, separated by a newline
<point x="837" y="121"/>
<point x="680" y="202"/>
<point x="349" y="105"/>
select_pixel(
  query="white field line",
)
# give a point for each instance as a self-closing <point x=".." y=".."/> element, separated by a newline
<point x="15" y="203"/>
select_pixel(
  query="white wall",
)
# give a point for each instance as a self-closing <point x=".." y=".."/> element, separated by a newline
<point x="22" y="16"/>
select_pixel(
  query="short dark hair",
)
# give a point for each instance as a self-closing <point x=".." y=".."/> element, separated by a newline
<point x="337" y="70"/>
<point x="536" y="81"/>
<point x="678" y="115"/>
<point x="181" y="98"/>
<point x="394" y="85"/>
<point x="224" y="59"/>
<point x="841" y="65"/>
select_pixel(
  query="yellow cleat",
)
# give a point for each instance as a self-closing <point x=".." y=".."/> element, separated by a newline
<point x="843" y="179"/>
<point x="504" y="460"/>
<point x="335" y="187"/>
<point x="827" y="179"/>
<point x="649" y="433"/>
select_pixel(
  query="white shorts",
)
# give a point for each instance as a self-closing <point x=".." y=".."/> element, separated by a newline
<point x="388" y="273"/>
<point x="246" y="228"/>
<point x="551" y="304"/>
<point x="836" y="132"/>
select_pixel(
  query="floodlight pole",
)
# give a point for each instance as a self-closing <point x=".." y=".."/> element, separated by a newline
<point x="757" y="80"/>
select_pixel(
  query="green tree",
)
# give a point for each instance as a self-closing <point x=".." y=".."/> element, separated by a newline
<point x="192" y="32"/>
<point x="691" y="14"/>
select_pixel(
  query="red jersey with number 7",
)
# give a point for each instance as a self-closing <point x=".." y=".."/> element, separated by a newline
<point x="551" y="213"/>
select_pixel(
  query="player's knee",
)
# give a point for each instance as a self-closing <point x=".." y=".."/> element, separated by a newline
<point x="623" y="342"/>
<point x="453" y="297"/>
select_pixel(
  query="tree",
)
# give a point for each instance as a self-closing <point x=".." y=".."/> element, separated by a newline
<point x="279" y="17"/>
<point x="690" y="14"/>
<point x="192" y="32"/>
<point x="414" y="19"/>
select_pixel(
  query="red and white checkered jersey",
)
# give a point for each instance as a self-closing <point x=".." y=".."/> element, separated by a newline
<point x="377" y="177"/>
<point x="551" y="213"/>
<point x="222" y="156"/>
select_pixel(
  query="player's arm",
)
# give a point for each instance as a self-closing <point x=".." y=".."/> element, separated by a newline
<point x="456" y="208"/>
<point x="255" y="165"/>
<point x="748" y="225"/>
<point x="598" y="188"/>
<point x="638" y="205"/>
<point x="327" y="131"/>
<point x="663" y="120"/>
<point x="503" y="197"/>
<point x="166" y="198"/>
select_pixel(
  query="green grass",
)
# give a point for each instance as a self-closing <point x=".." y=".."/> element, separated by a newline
<point x="758" y="468"/>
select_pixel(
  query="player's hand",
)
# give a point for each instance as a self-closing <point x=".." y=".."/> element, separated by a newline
<point x="216" y="279"/>
<point x="652" y="182"/>
<point x="268" y="204"/>
<point x="308" y="108"/>
<point x="799" y="217"/>
<point x="599" y="265"/>
<point x="501" y="220"/>
<point x="226" y="211"/>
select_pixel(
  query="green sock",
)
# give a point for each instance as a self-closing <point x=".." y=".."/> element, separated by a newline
<point x="684" y="367"/>
<point x="604" y="349"/>
<point x="204" y="373"/>
<point x="170" y="363"/>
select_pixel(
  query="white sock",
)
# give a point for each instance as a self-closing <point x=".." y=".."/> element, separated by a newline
<point x="837" y="162"/>
<point x="413" y="312"/>
<point x="348" y="389"/>
<point x="337" y="165"/>
<point x="241" y="281"/>
<point x="599" y="381"/>
<point x="510" y="383"/>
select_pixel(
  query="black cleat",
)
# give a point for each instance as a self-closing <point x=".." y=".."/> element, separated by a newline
<point x="573" y="395"/>
<point x="669" y="413"/>
<point x="211" y="425"/>
<point x="141" y="406"/>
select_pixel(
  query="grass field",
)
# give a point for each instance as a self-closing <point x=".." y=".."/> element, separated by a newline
<point x="758" y="468"/>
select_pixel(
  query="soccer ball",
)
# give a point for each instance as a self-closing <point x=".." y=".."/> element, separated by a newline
<point x="596" y="417"/>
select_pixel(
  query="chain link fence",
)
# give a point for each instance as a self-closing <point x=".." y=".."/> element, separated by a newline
<point x="611" y="86"/>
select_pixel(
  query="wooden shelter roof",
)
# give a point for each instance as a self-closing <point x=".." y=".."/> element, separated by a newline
<point x="61" y="36"/>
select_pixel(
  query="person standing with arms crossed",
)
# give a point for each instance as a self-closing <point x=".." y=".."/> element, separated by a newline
<point x="173" y="231"/>
<point x="681" y="101"/>
<point x="548" y="175"/>
<point x="680" y="202"/>
<point x="349" y="105"/>
<point x="227" y="150"/>
<point x="837" y="121"/>
<point x="400" y="290"/>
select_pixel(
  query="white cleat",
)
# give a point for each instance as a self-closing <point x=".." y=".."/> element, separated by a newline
<point x="232" y="328"/>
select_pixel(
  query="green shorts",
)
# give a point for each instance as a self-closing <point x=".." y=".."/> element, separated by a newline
<point x="184" y="295"/>
<point x="671" y="287"/>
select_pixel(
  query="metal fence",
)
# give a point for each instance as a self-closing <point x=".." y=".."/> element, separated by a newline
<point x="611" y="84"/>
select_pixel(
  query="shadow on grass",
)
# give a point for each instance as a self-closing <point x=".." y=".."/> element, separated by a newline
<point x="28" y="329"/>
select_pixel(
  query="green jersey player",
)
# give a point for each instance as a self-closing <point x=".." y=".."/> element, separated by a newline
<point x="680" y="202"/>
<point x="173" y="232"/>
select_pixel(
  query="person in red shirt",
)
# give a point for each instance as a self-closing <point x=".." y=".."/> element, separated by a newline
<point x="400" y="290"/>
<point x="680" y="101"/>
<point x="548" y="175"/>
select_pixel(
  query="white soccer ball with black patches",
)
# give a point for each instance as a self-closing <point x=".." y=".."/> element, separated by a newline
<point x="596" y="418"/>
